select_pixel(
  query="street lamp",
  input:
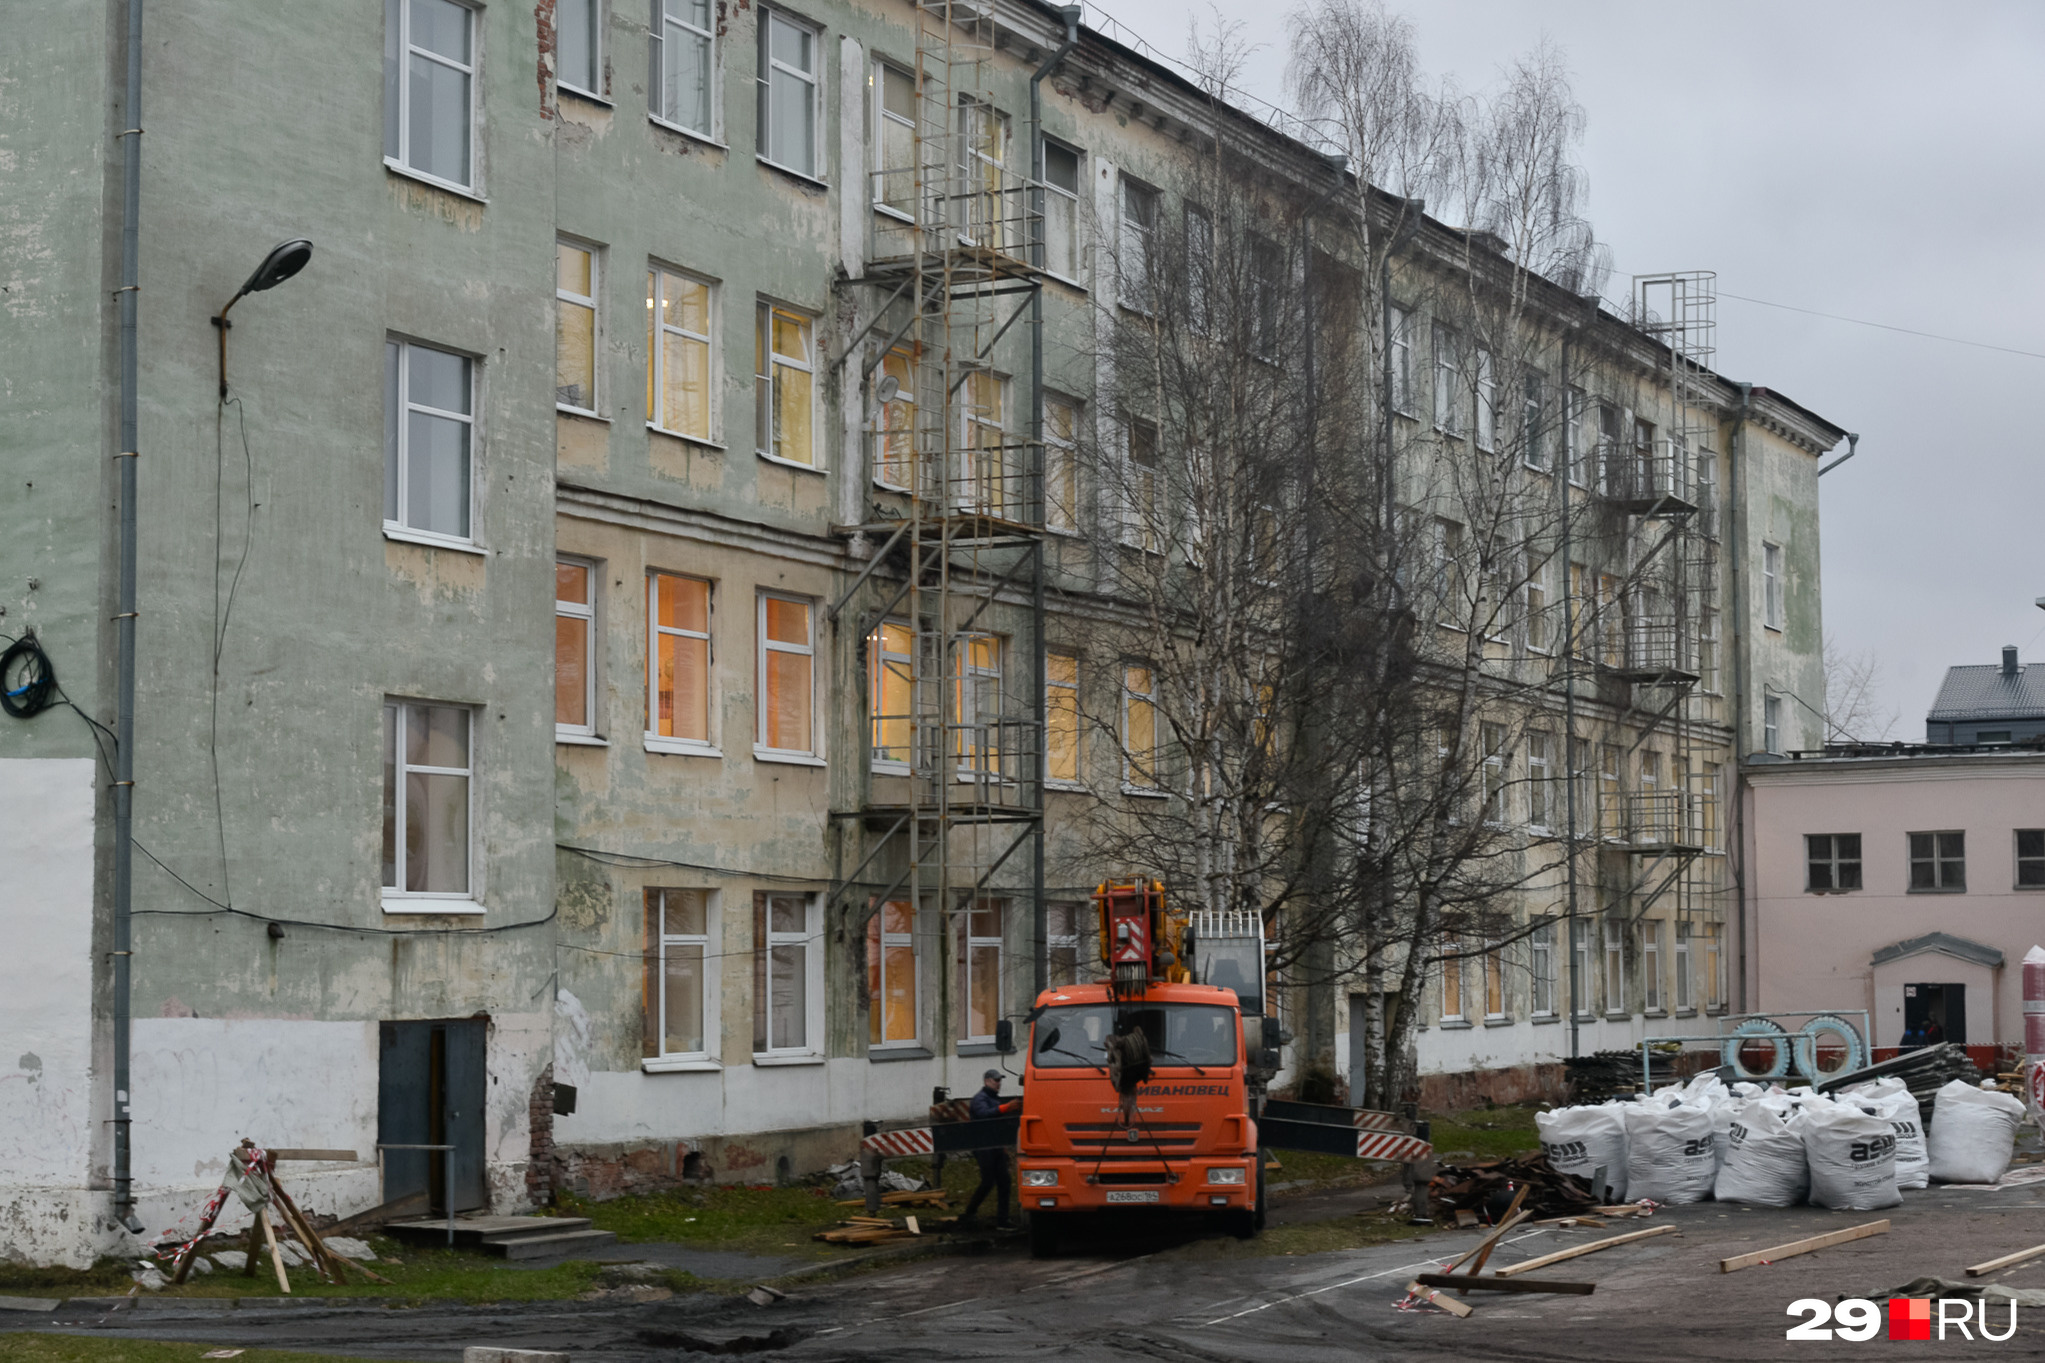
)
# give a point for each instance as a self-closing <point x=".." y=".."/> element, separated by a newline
<point x="285" y="260"/>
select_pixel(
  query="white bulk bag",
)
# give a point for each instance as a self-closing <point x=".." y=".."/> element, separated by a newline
<point x="1583" y="1140"/>
<point x="1973" y="1133"/>
<point x="1852" y="1155"/>
<point x="1764" y="1161"/>
<point x="1671" y="1152"/>
<point x="1893" y="1099"/>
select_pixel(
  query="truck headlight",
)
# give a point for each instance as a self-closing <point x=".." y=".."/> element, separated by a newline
<point x="1042" y="1178"/>
<point x="1234" y="1176"/>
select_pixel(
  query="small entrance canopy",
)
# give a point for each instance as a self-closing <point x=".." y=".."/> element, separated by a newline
<point x="1943" y="942"/>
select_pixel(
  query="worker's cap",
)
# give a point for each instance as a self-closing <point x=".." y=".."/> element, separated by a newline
<point x="991" y="1074"/>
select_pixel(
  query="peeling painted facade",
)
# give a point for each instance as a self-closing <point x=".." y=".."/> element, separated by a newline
<point x="282" y="612"/>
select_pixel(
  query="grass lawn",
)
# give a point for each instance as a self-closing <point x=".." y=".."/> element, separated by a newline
<point x="416" y="1274"/>
<point x="26" y="1348"/>
<point x="1484" y="1133"/>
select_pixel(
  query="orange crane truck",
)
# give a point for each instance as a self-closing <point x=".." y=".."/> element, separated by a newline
<point x="1146" y="1089"/>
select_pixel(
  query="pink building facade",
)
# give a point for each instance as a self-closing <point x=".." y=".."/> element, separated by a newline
<point x="1909" y="884"/>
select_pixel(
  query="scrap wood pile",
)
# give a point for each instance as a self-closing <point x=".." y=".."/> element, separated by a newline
<point x="252" y="1178"/>
<point x="1924" y="1072"/>
<point x="1489" y="1187"/>
<point x="1615" y="1074"/>
<point x="870" y="1230"/>
<point x="921" y="1197"/>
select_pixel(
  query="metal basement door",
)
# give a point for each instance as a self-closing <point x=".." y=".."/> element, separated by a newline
<point x="430" y="1089"/>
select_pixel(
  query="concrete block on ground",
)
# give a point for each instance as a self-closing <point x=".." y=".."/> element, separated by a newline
<point x="484" y="1353"/>
<point x="30" y="1303"/>
<point x="348" y="1245"/>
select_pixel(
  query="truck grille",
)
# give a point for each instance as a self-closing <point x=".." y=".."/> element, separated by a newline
<point x="1129" y="1176"/>
<point x="1110" y="1136"/>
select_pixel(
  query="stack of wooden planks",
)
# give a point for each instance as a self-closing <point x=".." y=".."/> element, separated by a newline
<point x="870" y="1230"/>
<point x="922" y="1197"/>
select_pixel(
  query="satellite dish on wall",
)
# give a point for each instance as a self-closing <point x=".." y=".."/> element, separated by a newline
<point x="887" y="390"/>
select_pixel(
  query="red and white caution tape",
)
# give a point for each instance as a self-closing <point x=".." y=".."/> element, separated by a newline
<point x="914" y="1141"/>
<point x="1391" y="1145"/>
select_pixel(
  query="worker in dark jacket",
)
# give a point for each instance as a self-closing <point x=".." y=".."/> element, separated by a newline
<point x="993" y="1163"/>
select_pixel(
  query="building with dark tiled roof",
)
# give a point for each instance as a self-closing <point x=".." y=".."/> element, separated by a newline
<point x="1987" y="703"/>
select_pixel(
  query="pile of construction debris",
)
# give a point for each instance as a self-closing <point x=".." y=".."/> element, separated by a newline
<point x="1924" y="1072"/>
<point x="1483" y="1191"/>
<point x="1601" y="1075"/>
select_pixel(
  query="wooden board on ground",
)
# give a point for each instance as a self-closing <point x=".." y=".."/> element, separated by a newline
<point x="317" y="1156"/>
<point x="1493" y="1282"/>
<point x="1441" y="1299"/>
<point x="1575" y="1251"/>
<point x="1497" y="1232"/>
<point x="1983" y="1270"/>
<point x="1796" y="1247"/>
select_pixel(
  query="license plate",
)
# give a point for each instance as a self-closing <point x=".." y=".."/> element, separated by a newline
<point x="1118" y="1197"/>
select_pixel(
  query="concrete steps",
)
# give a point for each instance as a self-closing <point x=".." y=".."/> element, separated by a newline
<point x="509" y="1237"/>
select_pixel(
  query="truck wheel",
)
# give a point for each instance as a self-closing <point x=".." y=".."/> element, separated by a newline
<point x="1257" y="1216"/>
<point x="1044" y="1230"/>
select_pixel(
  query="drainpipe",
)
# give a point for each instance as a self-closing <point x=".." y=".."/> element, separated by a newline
<point x="1039" y="925"/>
<point x="124" y="619"/>
<point x="1738" y="593"/>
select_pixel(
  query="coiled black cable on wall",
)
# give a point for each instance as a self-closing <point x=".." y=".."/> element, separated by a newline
<point x="28" y="681"/>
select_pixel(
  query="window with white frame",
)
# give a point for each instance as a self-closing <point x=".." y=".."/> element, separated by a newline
<point x="1580" y="963"/>
<point x="428" y="808"/>
<point x="1540" y="782"/>
<point x="1707" y="488"/>
<point x="681" y="994"/>
<point x="984" y="483"/>
<point x="1714" y="966"/>
<point x="1707" y="806"/>
<point x="1576" y="428"/>
<point x="1449" y="584"/>
<point x="1611" y="801"/>
<point x="578" y="46"/>
<point x="429" y="85"/>
<point x="575" y="293"/>
<point x="684" y="71"/>
<point x="1494" y="773"/>
<point x="1651" y="964"/>
<point x="1139" y="233"/>
<point x="429" y="431"/>
<point x="1615" y="966"/>
<point x="981" y="969"/>
<point x="1539" y="590"/>
<point x="787" y="676"/>
<point x="1494" y="982"/>
<point x="1707" y="652"/>
<point x="1141" y="509"/>
<point x="1402" y="361"/>
<point x="986" y="209"/>
<point x="1200" y="276"/>
<point x="1453" y="1004"/>
<point x="1061" y="466"/>
<point x="1771" y="724"/>
<point x="681" y="336"/>
<point x="1610" y="447"/>
<point x="1061" y="718"/>
<point x="785" y="386"/>
<point x="1487" y="402"/>
<point x="1064" y="241"/>
<point x="890" y="692"/>
<point x="574" y="643"/>
<point x="894" y="421"/>
<point x="892" y="962"/>
<point x="1771" y="587"/>
<point x="678" y="662"/>
<point x="981" y="741"/>
<point x="787" y="975"/>
<point x="1448" y="383"/>
<point x="1541" y="968"/>
<point x="894" y="141"/>
<point x="791" y="95"/>
<point x="1686" y="991"/>
<point x="1533" y="422"/>
<point x="1139" y="727"/>
<point x="1061" y="944"/>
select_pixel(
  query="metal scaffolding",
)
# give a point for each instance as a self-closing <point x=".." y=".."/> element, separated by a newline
<point x="947" y="619"/>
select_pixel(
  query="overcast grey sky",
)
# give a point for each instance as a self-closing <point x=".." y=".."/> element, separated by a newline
<point x="1879" y="161"/>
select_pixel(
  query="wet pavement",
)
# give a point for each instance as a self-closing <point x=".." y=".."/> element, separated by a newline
<point x="1662" y="1298"/>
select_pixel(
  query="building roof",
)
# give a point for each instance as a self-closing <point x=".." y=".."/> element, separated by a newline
<point x="1984" y="691"/>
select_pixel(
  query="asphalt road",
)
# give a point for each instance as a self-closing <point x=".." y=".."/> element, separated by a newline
<point x="1662" y="1298"/>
